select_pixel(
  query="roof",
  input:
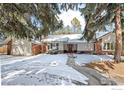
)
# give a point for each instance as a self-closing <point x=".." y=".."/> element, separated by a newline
<point x="72" y="38"/>
<point x="35" y="42"/>
<point x="76" y="41"/>
<point x="63" y="38"/>
<point x="5" y="41"/>
<point x="101" y="34"/>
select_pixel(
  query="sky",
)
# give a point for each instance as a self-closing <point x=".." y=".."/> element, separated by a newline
<point x="67" y="16"/>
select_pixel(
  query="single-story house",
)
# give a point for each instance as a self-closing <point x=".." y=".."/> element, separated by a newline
<point x="69" y="43"/>
<point x="104" y="43"/>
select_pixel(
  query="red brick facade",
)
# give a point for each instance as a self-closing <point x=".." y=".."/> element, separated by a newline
<point x="37" y="49"/>
<point x="98" y="47"/>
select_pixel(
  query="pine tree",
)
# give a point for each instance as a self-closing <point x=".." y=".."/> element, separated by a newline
<point x="97" y="16"/>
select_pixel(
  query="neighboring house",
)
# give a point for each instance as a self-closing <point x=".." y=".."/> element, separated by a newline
<point x="26" y="47"/>
<point x="21" y="47"/>
<point x="5" y="46"/>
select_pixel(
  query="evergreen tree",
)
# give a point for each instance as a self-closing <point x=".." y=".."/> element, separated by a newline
<point x="97" y="16"/>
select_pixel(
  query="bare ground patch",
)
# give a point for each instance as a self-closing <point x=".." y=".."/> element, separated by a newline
<point x="114" y="71"/>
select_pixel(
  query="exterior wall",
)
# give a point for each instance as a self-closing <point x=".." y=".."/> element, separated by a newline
<point x="21" y="47"/>
<point x="109" y="38"/>
<point x="39" y="48"/>
<point x="44" y="48"/>
<point x="3" y="49"/>
<point x="79" y="47"/>
<point x="70" y="48"/>
<point x="85" y="47"/>
<point x="61" y="46"/>
<point x="6" y="48"/>
<point x="98" y="47"/>
<point x="36" y="49"/>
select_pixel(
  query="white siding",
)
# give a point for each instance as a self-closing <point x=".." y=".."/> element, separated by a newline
<point x="61" y="47"/>
<point x="85" y="47"/>
<point x="80" y="47"/>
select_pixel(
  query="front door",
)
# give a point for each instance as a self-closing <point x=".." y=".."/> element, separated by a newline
<point x="70" y="48"/>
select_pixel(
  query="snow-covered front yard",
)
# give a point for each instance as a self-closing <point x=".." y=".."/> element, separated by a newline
<point x="43" y="69"/>
<point x="82" y="59"/>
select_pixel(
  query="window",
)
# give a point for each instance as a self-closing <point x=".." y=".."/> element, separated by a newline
<point x="51" y="45"/>
<point x="108" y="46"/>
<point x="105" y="46"/>
<point x="54" y="46"/>
<point x="112" y="46"/>
<point x="57" y="45"/>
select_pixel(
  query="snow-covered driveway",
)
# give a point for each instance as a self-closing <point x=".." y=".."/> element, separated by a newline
<point x="43" y="69"/>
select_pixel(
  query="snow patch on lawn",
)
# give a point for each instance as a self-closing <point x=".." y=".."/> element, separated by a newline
<point x="9" y="59"/>
<point x="82" y="59"/>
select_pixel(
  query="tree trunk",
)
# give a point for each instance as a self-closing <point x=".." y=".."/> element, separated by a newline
<point x="9" y="47"/>
<point x="118" y="33"/>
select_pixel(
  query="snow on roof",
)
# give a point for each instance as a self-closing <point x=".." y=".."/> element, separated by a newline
<point x="72" y="38"/>
<point x="36" y="42"/>
<point x="76" y="41"/>
<point x="63" y="38"/>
